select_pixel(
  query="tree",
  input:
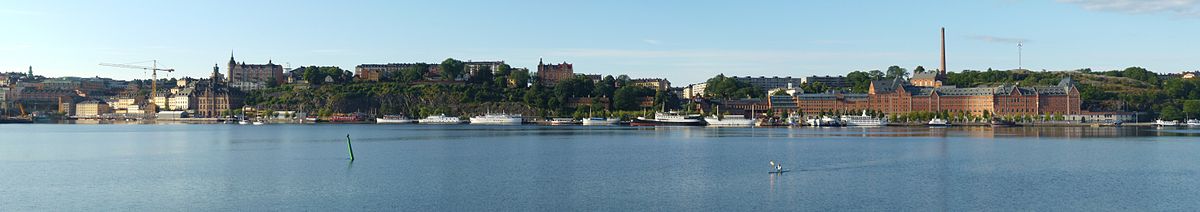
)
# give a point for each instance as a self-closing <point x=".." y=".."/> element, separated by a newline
<point x="814" y="87"/>
<point x="482" y="76"/>
<point x="520" y="78"/>
<point x="451" y="69"/>
<point x="919" y="69"/>
<point x="502" y="75"/>
<point x="897" y="72"/>
<point x="1191" y="108"/>
<point x="1170" y="112"/>
<point x="859" y="81"/>
<point x="721" y="87"/>
<point x="876" y="74"/>
<point x="625" y="98"/>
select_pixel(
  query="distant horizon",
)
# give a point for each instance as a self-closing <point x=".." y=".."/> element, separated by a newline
<point x="682" y="42"/>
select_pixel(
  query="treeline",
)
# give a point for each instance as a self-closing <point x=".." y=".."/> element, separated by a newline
<point x="415" y="91"/>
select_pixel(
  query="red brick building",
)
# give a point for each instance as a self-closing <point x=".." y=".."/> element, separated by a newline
<point x="550" y="74"/>
<point x="899" y="97"/>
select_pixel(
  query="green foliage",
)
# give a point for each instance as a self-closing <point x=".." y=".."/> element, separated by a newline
<point x="919" y="69"/>
<point x="814" y="87"/>
<point x="897" y="72"/>
<point x="721" y="87"/>
<point x="316" y="75"/>
<point x="502" y="75"/>
<point x="520" y="78"/>
<point x="451" y="69"/>
<point x="629" y="97"/>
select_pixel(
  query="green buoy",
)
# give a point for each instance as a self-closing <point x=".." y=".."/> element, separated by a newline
<point x="349" y="147"/>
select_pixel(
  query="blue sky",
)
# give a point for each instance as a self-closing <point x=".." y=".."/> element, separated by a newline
<point x="684" y="41"/>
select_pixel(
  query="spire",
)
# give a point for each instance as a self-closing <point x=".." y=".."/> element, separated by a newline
<point x="943" y="71"/>
<point x="30" y="71"/>
<point x="231" y="62"/>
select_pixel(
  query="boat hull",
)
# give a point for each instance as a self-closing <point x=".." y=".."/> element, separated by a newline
<point x="507" y="121"/>
<point x="643" y="122"/>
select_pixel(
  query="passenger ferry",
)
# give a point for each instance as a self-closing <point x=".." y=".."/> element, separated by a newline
<point x="394" y="119"/>
<point x="497" y="118"/>
<point x="597" y="121"/>
<point x="864" y="120"/>
<point x="564" y="121"/>
<point x="669" y="119"/>
<point x="440" y="119"/>
<point x="729" y="121"/>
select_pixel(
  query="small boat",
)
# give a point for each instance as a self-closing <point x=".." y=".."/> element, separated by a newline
<point x="440" y="119"/>
<point x="259" y="122"/>
<point x="394" y="119"/>
<point x="311" y="119"/>
<point x="497" y="119"/>
<point x="1165" y="123"/>
<point x="1193" y="123"/>
<point x="938" y="122"/>
<point x="351" y="117"/>
<point x="564" y="121"/>
<point x="669" y="119"/>
<point x="244" y="122"/>
<point x="597" y="121"/>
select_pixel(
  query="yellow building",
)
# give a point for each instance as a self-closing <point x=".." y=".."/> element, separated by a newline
<point x="91" y="109"/>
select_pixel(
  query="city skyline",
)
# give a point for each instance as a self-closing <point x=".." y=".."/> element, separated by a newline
<point x="686" y="43"/>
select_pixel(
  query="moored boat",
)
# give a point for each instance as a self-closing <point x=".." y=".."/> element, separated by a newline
<point x="351" y="117"/>
<point x="864" y="120"/>
<point x="597" y="121"/>
<point x="668" y="119"/>
<point x="440" y="119"/>
<point x="1193" y="123"/>
<point x="1165" y="123"/>
<point x="938" y="122"/>
<point x="394" y="119"/>
<point x="564" y="121"/>
<point x="729" y="121"/>
<point x="497" y="118"/>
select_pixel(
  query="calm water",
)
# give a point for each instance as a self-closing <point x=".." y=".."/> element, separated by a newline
<point x="523" y="168"/>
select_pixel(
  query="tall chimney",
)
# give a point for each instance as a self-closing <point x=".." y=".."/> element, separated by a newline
<point x="943" y="71"/>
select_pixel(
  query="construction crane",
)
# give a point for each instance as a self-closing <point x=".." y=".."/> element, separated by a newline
<point x="153" y="75"/>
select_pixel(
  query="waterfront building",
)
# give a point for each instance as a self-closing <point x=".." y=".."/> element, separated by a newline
<point x="551" y="74"/>
<point x="767" y="83"/>
<point x="91" y="108"/>
<point x="126" y="101"/>
<point x="930" y="79"/>
<point x="254" y="76"/>
<point x="831" y="81"/>
<point x="658" y="84"/>
<point x="899" y="97"/>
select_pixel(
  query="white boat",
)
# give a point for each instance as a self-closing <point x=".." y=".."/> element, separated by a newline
<point x="729" y="121"/>
<point x="1161" y="122"/>
<point x="669" y="119"/>
<point x="938" y="122"/>
<point x="597" y="121"/>
<point x="497" y="118"/>
<point x="864" y="120"/>
<point x="564" y="121"/>
<point x="394" y="119"/>
<point x="823" y="121"/>
<point x="440" y="119"/>
<point x="244" y="122"/>
<point x="259" y="123"/>
<point x="1193" y="123"/>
